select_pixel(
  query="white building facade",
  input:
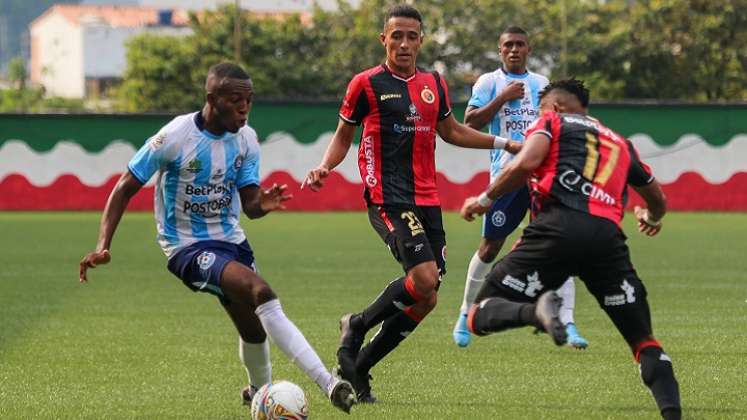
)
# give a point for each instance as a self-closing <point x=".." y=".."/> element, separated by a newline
<point x="74" y="49"/>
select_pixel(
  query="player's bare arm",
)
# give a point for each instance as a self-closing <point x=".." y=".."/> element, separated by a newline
<point x="649" y="219"/>
<point x="257" y="202"/>
<point x="461" y="135"/>
<point x="126" y="187"/>
<point x="513" y="176"/>
<point x="336" y="150"/>
<point x="479" y="117"/>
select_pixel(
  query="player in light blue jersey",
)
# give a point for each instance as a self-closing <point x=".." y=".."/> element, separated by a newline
<point x="207" y="167"/>
<point x="507" y="101"/>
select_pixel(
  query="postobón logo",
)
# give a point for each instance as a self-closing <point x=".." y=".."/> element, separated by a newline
<point x="370" y="157"/>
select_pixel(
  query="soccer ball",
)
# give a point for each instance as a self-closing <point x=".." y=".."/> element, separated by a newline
<point x="282" y="400"/>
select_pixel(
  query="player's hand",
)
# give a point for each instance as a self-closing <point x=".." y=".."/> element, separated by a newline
<point x="513" y="90"/>
<point x="645" y="224"/>
<point x="91" y="260"/>
<point x="315" y="178"/>
<point x="471" y="208"/>
<point x="513" y="147"/>
<point x="272" y="198"/>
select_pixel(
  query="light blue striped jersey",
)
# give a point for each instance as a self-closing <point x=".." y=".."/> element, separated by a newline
<point x="513" y="118"/>
<point x="199" y="174"/>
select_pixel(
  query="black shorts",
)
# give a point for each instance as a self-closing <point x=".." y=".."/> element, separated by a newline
<point x="414" y="234"/>
<point x="561" y="242"/>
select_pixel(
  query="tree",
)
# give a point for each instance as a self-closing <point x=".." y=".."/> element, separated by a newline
<point x="657" y="49"/>
<point x="17" y="72"/>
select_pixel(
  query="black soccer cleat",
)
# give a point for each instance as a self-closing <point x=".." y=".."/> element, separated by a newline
<point x="342" y="395"/>
<point x="247" y="394"/>
<point x="547" y="310"/>
<point x="363" y="388"/>
<point x="350" y="344"/>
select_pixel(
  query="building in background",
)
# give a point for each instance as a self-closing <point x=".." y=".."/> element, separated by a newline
<point x="271" y="6"/>
<point x="79" y="50"/>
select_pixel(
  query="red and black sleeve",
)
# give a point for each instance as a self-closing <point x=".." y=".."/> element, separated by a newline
<point x="355" y="104"/>
<point x="444" y="104"/>
<point x="639" y="174"/>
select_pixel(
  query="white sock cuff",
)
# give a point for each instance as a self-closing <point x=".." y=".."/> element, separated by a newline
<point x="256" y="360"/>
<point x="478" y="269"/>
<point x="268" y="308"/>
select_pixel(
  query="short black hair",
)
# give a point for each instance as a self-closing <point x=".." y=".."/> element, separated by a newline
<point x="228" y="70"/>
<point x="515" y="30"/>
<point x="403" y="10"/>
<point x="573" y="86"/>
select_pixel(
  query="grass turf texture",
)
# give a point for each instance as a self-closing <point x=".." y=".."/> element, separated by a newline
<point x="135" y="343"/>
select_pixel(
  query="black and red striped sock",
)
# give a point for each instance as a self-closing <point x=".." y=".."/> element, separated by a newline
<point x="393" y="331"/>
<point x="398" y="295"/>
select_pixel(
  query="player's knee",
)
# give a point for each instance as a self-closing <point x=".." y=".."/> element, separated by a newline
<point x="430" y="302"/>
<point x="262" y="293"/>
<point x="425" y="278"/>
<point x="256" y="289"/>
<point x="255" y="336"/>
<point x="655" y="364"/>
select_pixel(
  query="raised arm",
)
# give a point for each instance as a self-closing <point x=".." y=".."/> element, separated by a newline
<point x="513" y="176"/>
<point x="126" y="187"/>
<point x="479" y="117"/>
<point x="336" y="150"/>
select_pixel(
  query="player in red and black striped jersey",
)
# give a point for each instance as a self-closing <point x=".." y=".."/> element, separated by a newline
<point x="401" y="108"/>
<point x="578" y="171"/>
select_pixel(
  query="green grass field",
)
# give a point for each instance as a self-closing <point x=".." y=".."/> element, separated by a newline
<point x="135" y="343"/>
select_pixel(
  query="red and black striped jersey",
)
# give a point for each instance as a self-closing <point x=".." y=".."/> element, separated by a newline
<point x="396" y="155"/>
<point x="588" y="166"/>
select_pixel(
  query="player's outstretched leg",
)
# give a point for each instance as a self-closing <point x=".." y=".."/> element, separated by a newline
<point x="476" y="272"/>
<point x="567" y="292"/>
<point x="495" y="314"/>
<point x="244" y="287"/>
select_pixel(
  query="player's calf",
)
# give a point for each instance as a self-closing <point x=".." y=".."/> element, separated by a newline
<point x="658" y="375"/>
<point x="497" y="314"/>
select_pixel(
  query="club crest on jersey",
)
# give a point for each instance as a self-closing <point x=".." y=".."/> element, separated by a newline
<point x="194" y="166"/>
<point x="498" y="218"/>
<point x="238" y="162"/>
<point x="206" y="260"/>
<point x="427" y="95"/>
